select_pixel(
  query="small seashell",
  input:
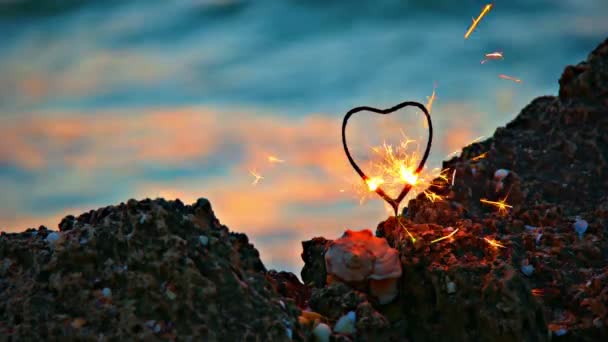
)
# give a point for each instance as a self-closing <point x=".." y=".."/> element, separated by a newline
<point x="527" y="270"/>
<point x="321" y="332"/>
<point x="500" y="174"/>
<point x="346" y="324"/>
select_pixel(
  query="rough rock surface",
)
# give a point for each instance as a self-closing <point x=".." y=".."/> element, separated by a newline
<point x="556" y="151"/>
<point x="151" y="269"/>
<point x="523" y="273"/>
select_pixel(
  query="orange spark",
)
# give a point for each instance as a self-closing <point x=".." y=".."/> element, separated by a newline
<point x="479" y="157"/>
<point x="257" y="177"/>
<point x="492" y="55"/>
<point x="445" y="237"/>
<point x="431" y="196"/>
<point x="501" y="205"/>
<point x="506" y="77"/>
<point x="274" y="159"/>
<point x="485" y="10"/>
<point x="494" y="243"/>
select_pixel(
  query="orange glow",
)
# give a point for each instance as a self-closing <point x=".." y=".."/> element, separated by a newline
<point x="492" y="55"/>
<point x="506" y="77"/>
<point x="257" y="177"/>
<point x="485" y="11"/>
<point x="274" y="159"/>
<point x="494" y="243"/>
<point x="501" y="205"/>
<point x="445" y="237"/>
<point x="479" y="157"/>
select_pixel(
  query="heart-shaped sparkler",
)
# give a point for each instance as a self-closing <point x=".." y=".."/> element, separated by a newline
<point x="393" y="202"/>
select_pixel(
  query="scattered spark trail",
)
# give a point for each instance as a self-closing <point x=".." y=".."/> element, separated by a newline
<point x="430" y="100"/>
<point x="494" y="243"/>
<point x="479" y="157"/>
<point x="501" y="205"/>
<point x="445" y="237"/>
<point x="257" y="177"/>
<point x="274" y="159"/>
<point x="492" y="55"/>
<point x="407" y="231"/>
<point x="506" y="77"/>
<point x="485" y="10"/>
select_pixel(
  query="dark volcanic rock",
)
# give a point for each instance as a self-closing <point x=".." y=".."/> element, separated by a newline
<point x="141" y="270"/>
<point x="313" y="255"/>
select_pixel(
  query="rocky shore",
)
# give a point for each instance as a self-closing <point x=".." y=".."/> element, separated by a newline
<point x="535" y="270"/>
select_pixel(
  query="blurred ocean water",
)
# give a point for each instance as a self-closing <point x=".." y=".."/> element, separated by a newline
<point x="80" y="80"/>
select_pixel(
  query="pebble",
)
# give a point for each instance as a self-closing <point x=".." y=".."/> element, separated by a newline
<point x="53" y="237"/>
<point x="560" y="332"/>
<point x="106" y="292"/>
<point x="538" y="238"/>
<point x="580" y="226"/>
<point x="321" y="332"/>
<point x="203" y="240"/>
<point x="451" y="287"/>
<point x="527" y="270"/>
<point x="289" y="333"/>
<point x="346" y="323"/>
<point x="529" y="227"/>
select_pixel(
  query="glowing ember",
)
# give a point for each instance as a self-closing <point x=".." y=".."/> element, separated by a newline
<point x="506" y="77"/>
<point x="373" y="183"/>
<point x="445" y="237"/>
<point x="485" y="11"/>
<point x="274" y="159"/>
<point x="494" y="243"/>
<point x="501" y="205"/>
<point x="257" y="177"/>
<point x="492" y="55"/>
<point x="479" y="157"/>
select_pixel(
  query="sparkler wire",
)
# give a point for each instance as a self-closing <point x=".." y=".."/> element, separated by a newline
<point x="393" y="202"/>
